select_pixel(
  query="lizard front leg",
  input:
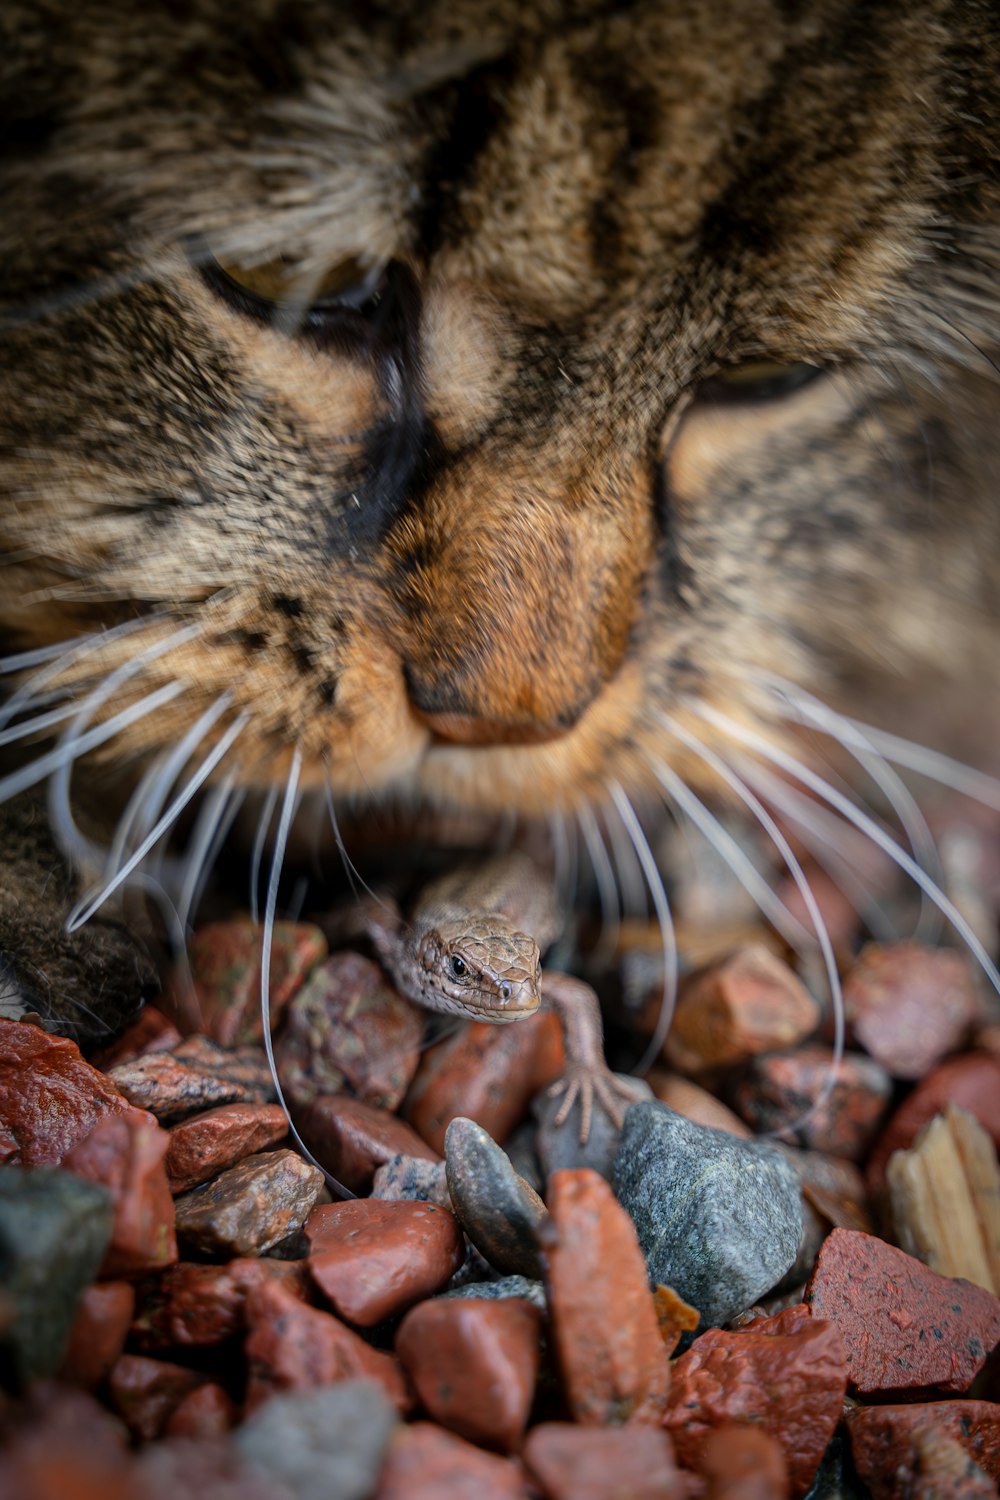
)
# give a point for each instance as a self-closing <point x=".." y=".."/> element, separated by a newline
<point x="587" y="1076"/>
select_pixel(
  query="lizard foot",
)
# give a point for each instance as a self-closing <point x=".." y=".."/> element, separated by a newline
<point x="589" y="1083"/>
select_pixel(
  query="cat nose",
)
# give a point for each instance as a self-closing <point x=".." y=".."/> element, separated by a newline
<point x="456" y="723"/>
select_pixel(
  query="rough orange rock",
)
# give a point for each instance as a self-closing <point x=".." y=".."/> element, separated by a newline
<point x="884" y="1440"/>
<point x="206" y="1144"/>
<point x="349" y="1031"/>
<point x="225" y="959"/>
<point x="569" y="1462"/>
<point x="291" y="1347"/>
<point x="750" y="1003"/>
<point x="206" y="1412"/>
<point x="743" y="1463"/>
<point x="373" y="1260"/>
<point x="604" y="1324"/>
<point x="196" y="1306"/>
<point x="353" y="1139"/>
<point x="486" y="1073"/>
<point x="785" y="1374"/>
<point x="473" y="1363"/>
<point x="250" y="1208"/>
<point x="971" y="1081"/>
<point x="695" y="1103"/>
<point x="905" y="1328"/>
<point x="197" y="1074"/>
<point x="426" y="1463"/>
<point x="125" y="1153"/>
<point x="49" y="1097"/>
<point x="908" y="1005"/>
<point x="100" y="1328"/>
<point x="65" y="1446"/>
<point x="144" y="1392"/>
<point x="674" y="1315"/>
<point x="779" y="1090"/>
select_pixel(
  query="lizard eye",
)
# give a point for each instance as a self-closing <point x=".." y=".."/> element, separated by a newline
<point x="505" y="991"/>
<point x="458" y="966"/>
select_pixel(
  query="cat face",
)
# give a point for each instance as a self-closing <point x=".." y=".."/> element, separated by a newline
<point x="460" y="396"/>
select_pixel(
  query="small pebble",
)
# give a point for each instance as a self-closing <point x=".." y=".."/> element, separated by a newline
<point x="61" y="1445"/>
<point x="884" y="1442"/>
<point x="743" y="1463"/>
<point x="426" y="1463"/>
<point x="251" y="1208"/>
<point x="352" y="1139"/>
<point x="291" y="1347"/>
<point x="103" y="1318"/>
<point x="321" y="1444"/>
<point x="49" y="1097"/>
<point x="197" y="1075"/>
<point x="604" y="1325"/>
<point x="675" y="1316"/>
<point x="719" y="1219"/>
<point x="497" y="1209"/>
<point x="348" y="1030"/>
<point x="908" y="1005"/>
<point x="559" y="1146"/>
<point x="206" y="1144"/>
<point x="695" y="1103"/>
<point x="413" y="1178"/>
<point x="196" y="1306"/>
<point x="972" y="1081"/>
<point x="786" y="1374"/>
<point x="224" y="960"/>
<point x="569" y="1462"/>
<point x="779" y="1091"/>
<point x="504" y="1286"/>
<point x="54" y="1231"/>
<point x="750" y="1003"/>
<point x="905" y="1328"/>
<point x="485" y="1073"/>
<point x="125" y="1153"/>
<point x="145" y="1391"/>
<point x="199" y="1469"/>
<point x="206" y="1412"/>
<point x="474" y="1364"/>
<point x="374" y="1260"/>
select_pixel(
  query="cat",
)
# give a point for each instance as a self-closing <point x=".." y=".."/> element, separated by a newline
<point x="479" y="408"/>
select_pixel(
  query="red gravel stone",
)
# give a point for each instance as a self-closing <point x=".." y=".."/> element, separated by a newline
<point x="353" y="1139"/>
<point x="126" y="1154"/>
<point x="883" y="1441"/>
<point x="348" y="1029"/>
<point x="750" y="1003"/>
<point x="486" y="1073"/>
<point x="907" y="1005"/>
<point x="474" y="1362"/>
<point x="779" y="1089"/>
<point x="373" y="1260"/>
<point x="251" y="1208"/>
<point x="290" y="1347"/>
<point x="64" y="1446"/>
<point x="207" y="1412"/>
<point x="426" y="1463"/>
<point x="225" y="969"/>
<point x="604" y="1325"/>
<point x="208" y="1143"/>
<point x="785" y="1374"/>
<point x="905" y="1328"/>
<point x="145" y="1391"/>
<point x="195" y="1306"/>
<point x="103" y="1318"/>
<point x="743" y="1463"/>
<point x="49" y="1097"/>
<point x="594" y="1463"/>
<point x="971" y="1081"/>
<point x="151" y="1032"/>
<point x="198" y="1074"/>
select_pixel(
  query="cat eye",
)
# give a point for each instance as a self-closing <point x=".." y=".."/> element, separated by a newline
<point x="274" y="294"/>
<point x="759" y="380"/>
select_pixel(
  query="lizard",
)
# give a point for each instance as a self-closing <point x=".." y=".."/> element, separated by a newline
<point x="472" y="947"/>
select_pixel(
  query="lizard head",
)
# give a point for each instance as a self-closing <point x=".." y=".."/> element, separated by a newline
<point x="481" y="968"/>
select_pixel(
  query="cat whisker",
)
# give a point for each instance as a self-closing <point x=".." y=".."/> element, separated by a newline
<point x="354" y="876"/>
<point x="288" y="804"/>
<point x="191" y="893"/>
<point x="257" y="853"/>
<point x="977" y="786"/>
<point x="631" y="882"/>
<point x="668" y="935"/>
<point x="728" y="776"/>
<point x="92" y="904"/>
<point x="733" y="855"/>
<point x="604" y="874"/>
<point x="808" y="710"/>
<point x="29" y="728"/>
<point x="760" y="746"/>
<point x="66" y="655"/>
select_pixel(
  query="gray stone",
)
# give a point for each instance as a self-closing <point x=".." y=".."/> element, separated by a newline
<point x="322" y="1443"/>
<point x="502" y="1288"/>
<point x="559" y="1146"/>
<point x="499" y="1211"/>
<point x="412" y="1178"/>
<point x="719" y="1219"/>
<point x="54" y="1230"/>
